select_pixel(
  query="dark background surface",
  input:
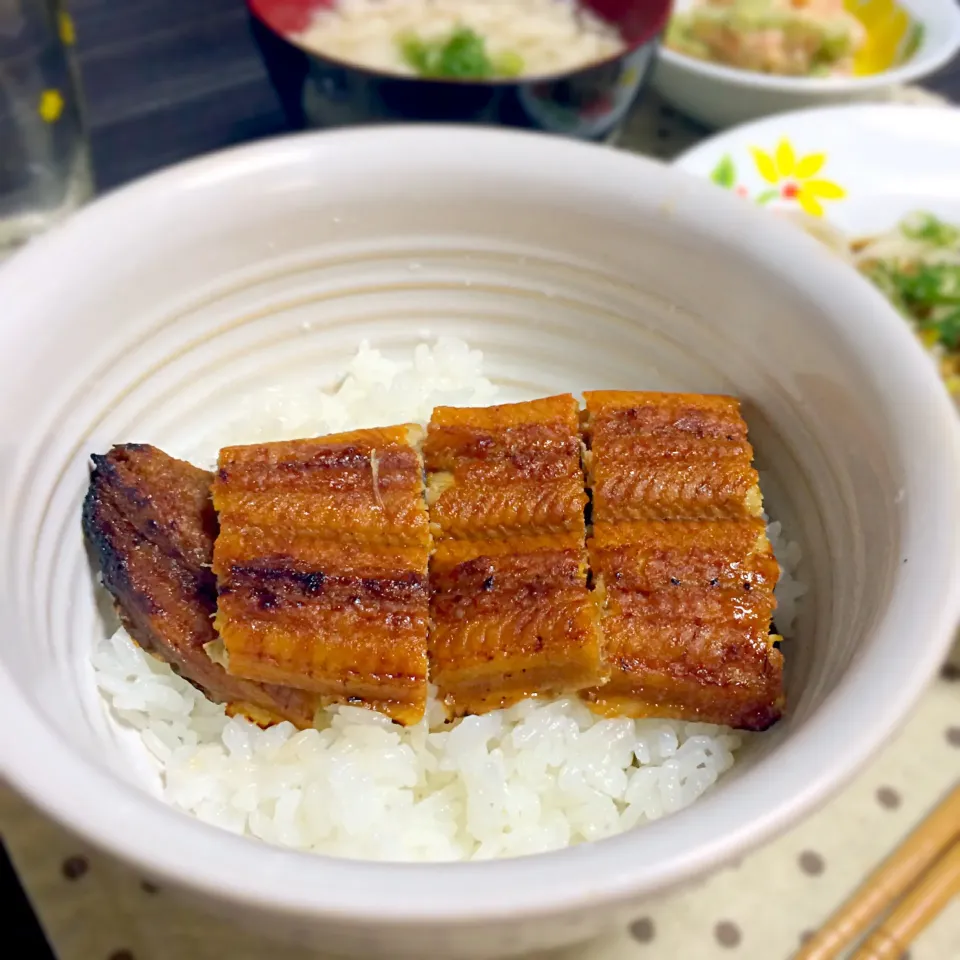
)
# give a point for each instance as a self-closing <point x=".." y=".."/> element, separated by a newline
<point x="23" y="937"/>
<point x="165" y="80"/>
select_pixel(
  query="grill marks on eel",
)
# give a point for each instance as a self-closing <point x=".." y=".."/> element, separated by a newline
<point x="321" y="563"/>
<point x="511" y="613"/>
<point x="681" y="560"/>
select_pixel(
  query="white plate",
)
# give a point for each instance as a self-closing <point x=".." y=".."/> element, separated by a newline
<point x="863" y="166"/>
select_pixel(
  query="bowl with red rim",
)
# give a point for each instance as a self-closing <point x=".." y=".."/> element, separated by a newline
<point x="589" y="102"/>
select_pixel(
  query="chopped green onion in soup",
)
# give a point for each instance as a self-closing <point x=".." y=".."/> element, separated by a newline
<point x="462" y="56"/>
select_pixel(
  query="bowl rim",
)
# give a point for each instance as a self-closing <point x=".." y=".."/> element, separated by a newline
<point x="923" y="63"/>
<point x="174" y="847"/>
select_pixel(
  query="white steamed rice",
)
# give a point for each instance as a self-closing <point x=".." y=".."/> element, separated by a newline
<point x="535" y="777"/>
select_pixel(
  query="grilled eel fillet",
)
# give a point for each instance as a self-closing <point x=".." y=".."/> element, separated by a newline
<point x="321" y="566"/>
<point x="511" y="613"/>
<point x="150" y="522"/>
<point x="681" y="561"/>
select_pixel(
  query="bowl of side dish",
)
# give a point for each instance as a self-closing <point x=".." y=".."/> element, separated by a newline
<point x="573" y="67"/>
<point x="318" y="691"/>
<point x="724" y="63"/>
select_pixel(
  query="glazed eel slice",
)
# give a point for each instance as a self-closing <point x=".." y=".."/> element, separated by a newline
<point x="321" y="565"/>
<point x="151" y="525"/>
<point x="681" y="563"/>
<point x="511" y="613"/>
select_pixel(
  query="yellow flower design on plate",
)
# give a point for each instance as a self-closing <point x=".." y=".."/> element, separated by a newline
<point x="51" y="105"/>
<point x="795" y="178"/>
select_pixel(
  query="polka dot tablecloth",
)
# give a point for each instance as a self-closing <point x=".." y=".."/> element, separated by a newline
<point x="93" y="908"/>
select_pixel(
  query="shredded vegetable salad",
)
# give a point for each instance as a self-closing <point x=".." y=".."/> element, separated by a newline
<point x="917" y="265"/>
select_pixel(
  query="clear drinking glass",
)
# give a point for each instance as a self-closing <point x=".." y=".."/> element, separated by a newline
<point x="44" y="155"/>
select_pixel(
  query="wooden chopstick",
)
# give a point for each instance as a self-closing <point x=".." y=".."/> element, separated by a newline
<point x="888" y="882"/>
<point x="935" y="889"/>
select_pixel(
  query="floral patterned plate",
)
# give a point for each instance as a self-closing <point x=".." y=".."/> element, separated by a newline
<point x="858" y="168"/>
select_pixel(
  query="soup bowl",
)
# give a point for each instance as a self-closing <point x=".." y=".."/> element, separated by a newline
<point x="157" y="310"/>
<point x="318" y="90"/>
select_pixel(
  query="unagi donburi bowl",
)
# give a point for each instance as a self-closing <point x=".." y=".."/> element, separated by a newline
<point x="572" y="267"/>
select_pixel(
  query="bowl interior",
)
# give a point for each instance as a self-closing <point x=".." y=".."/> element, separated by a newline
<point x="571" y="267"/>
<point x="637" y="20"/>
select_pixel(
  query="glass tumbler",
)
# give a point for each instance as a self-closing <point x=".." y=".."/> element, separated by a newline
<point x="44" y="155"/>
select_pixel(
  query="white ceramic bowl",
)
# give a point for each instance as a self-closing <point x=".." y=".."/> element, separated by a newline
<point x="722" y="96"/>
<point x="147" y="315"/>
